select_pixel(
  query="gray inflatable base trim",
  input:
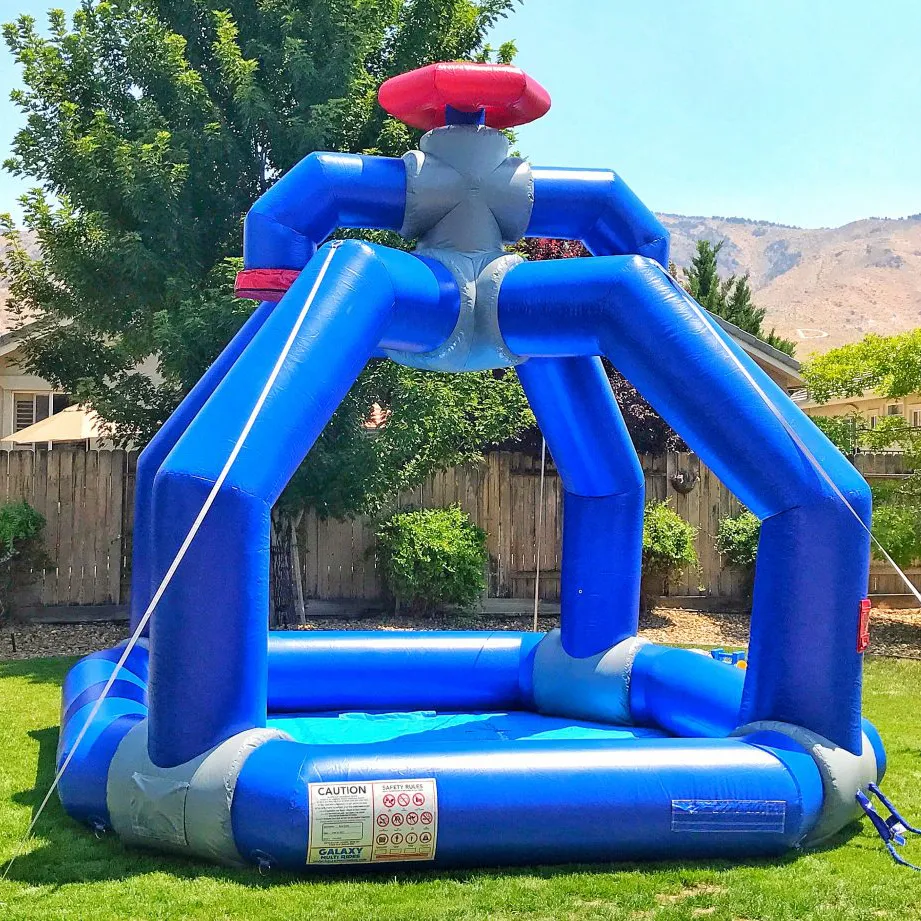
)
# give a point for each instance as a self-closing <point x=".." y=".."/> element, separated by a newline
<point x="595" y="688"/>
<point x="185" y="809"/>
<point x="843" y="774"/>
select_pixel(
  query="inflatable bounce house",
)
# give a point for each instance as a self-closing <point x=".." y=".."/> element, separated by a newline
<point x="213" y="736"/>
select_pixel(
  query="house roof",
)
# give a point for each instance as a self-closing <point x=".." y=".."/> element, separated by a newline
<point x="786" y="366"/>
<point x="10" y="341"/>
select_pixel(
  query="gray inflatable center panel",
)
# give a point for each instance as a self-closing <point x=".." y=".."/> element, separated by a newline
<point x="465" y="199"/>
<point x="593" y="688"/>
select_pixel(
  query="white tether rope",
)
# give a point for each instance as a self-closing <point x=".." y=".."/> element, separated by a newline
<point x="540" y="529"/>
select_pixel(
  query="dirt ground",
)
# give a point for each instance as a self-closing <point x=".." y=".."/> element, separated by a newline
<point x="893" y="632"/>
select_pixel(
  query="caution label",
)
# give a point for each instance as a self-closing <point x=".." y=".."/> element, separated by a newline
<point x="372" y="821"/>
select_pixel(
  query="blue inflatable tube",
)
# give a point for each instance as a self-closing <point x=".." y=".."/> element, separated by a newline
<point x="684" y="692"/>
<point x="344" y="190"/>
<point x="597" y="207"/>
<point x="83" y="786"/>
<point x="144" y="579"/>
<point x="350" y="299"/>
<point x="399" y="670"/>
<point x="590" y="793"/>
<point x="561" y="802"/>
<point x="603" y="503"/>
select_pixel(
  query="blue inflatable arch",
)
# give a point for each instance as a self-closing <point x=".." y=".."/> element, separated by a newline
<point x="319" y="749"/>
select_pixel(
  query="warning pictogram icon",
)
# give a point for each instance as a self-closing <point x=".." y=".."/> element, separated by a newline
<point x="397" y="839"/>
<point x="426" y="818"/>
<point x="418" y="799"/>
<point x="383" y="821"/>
<point x="382" y="839"/>
<point x="425" y="837"/>
<point x="412" y="818"/>
<point x="403" y="799"/>
<point x="397" y="819"/>
<point x="389" y="800"/>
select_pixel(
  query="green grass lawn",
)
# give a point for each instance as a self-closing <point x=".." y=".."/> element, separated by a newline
<point x="66" y="873"/>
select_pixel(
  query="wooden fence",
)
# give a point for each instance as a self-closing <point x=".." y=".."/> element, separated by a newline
<point x="87" y="500"/>
<point x="502" y="495"/>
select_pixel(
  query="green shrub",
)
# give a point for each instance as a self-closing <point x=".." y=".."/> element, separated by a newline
<point x="668" y="548"/>
<point x="737" y="542"/>
<point x="897" y="519"/>
<point x="19" y="524"/>
<point x="737" y="539"/>
<point x="898" y="529"/>
<point x="21" y="549"/>
<point x="433" y="556"/>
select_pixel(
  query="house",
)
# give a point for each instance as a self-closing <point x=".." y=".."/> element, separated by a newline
<point x="868" y="406"/>
<point x="24" y="398"/>
<point x="30" y="406"/>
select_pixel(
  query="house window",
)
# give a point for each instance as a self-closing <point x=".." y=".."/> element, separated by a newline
<point x="916" y="417"/>
<point x="894" y="409"/>
<point x="873" y="422"/>
<point x="29" y="408"/>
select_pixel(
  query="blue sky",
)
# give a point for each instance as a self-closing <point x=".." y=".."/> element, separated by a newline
<point x="805" y="112"/>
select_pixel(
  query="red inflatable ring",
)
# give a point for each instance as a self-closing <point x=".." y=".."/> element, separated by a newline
<point x="507" y="94"/>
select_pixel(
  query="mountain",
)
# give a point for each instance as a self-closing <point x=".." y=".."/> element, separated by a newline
<point x="822" y="288"/>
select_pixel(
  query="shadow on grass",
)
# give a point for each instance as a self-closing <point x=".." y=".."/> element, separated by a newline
<point x="68" y="853"/>
<point x="44" y="774"/>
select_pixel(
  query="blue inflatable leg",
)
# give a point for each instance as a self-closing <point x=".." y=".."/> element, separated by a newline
<point x="602" y="503"/>
<point x="813" y="561"/>
<point x="209" y="634"/>
<point x="143" y="578"/>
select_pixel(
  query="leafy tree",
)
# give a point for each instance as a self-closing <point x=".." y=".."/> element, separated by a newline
<point x="702" y="280"/>
<point x="843" y="431"/>
<point x="897" y="526"/>
<point x="851" y="433"/>
<point x="888" y="365"/>
<point x="432" y="421"/>
<point x="729" y="298"/>
<point x="151" y="127"/>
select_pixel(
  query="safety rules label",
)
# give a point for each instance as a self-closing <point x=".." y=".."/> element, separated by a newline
<point x="372" y="821"/>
